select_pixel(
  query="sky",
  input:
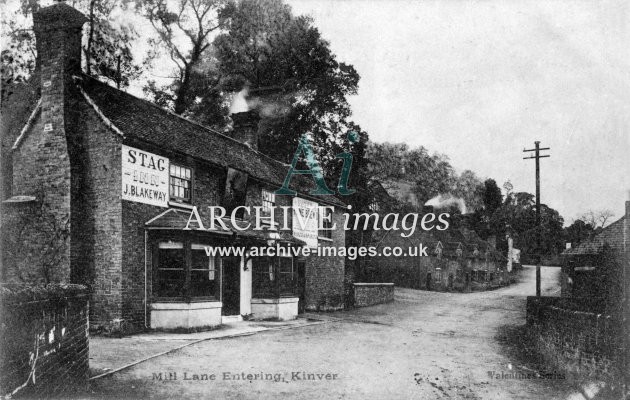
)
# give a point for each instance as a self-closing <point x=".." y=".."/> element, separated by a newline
<point x="482" y="80"/>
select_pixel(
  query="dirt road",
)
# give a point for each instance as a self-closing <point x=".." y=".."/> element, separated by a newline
<point x="425" y="345"/>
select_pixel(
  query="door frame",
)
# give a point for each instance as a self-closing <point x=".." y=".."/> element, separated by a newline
<point x="237" y="285"/>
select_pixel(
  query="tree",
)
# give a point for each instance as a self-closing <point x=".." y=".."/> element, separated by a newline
<point x="107" y="51"/>
<point x="265" y="46"/>
<point x="469" y="187"/>
<point x="195" y="21"/>
<point x="596" y="218"/>
<point x="492" y="197"/>
<point x="517" y="216"/>
<point x="387" y="161"/>
<point x="425" y="175"/>
<point x="578" y="231"/>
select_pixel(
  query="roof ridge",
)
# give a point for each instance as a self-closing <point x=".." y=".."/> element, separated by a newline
<point x="186" y="119"/>
<point x="96" y="108"/>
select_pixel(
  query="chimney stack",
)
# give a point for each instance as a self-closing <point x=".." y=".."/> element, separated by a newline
<point x="53" y="141"/>
<point x="58" y="30"/>
<point x="245" y="128"/>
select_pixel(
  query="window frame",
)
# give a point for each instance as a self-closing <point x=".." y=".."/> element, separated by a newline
<point x="267" y="205"/>
<point x="171" y="185"/>
<point x="374" y="206"/>
<point x="438" y="274"/>
<point x="325" y="234"/>
<point x="186" y="291"/>
<point x="281" y="285"/>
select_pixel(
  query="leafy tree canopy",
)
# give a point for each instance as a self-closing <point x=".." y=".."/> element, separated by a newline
<point x="106" y="48"/>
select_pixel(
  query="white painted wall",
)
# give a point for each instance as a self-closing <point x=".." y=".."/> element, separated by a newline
<point x="185" y="315"/>
<point x="246" y="287"/>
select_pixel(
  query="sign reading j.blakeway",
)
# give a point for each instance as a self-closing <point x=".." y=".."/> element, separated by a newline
<point x="305" y="221"/>
<point x="144" y="177"/>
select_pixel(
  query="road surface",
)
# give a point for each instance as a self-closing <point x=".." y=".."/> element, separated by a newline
<point x="425" y="345"/>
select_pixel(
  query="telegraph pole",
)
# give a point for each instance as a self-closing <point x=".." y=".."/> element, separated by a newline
<point x="537" y="149"/>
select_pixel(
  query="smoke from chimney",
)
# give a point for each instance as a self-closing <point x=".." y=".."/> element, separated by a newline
<point x="239" y="102"/>
<point x="447" y="200"/>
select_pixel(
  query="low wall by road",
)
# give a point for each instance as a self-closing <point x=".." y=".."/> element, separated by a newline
<point x="369" y="294"/>
<point x="580" y="342"/>
<point x="43" y="340"/>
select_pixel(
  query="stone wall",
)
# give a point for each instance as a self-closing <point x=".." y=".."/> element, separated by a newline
<point x="325" y="274"/>
<point x="369" y="294"/>
<point x="43" y="340"/>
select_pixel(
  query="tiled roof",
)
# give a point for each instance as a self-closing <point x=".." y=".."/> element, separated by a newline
<point x="612" y="235"/>
<point x="142" y="120"/>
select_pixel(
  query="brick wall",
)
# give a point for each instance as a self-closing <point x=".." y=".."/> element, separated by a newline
<point x="582" y="343"/>
<point x="134" y="216"/>
<point x="369" y="294"/>
<point x="97" y="215"/>
<point x="43" y="163"/>
<point x="324" y="289"/>
<point x="43" y="340"/>
<point x="208" y="188"/>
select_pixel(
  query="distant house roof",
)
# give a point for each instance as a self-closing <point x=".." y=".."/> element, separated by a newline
<point x="142" y="120"/>
<point x="403" y="191"/>
<point x="380" y="196"/>
<point x="612" y="235"/>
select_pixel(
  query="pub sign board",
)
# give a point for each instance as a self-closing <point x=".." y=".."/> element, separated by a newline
<point x="305" y="221"/>
<point x="144" y="177"/>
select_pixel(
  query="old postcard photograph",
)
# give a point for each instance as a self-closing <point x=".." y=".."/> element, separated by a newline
<point x="315" y="199"/>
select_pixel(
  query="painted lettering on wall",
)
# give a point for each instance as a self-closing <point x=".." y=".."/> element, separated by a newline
<point x="144" y="177"/>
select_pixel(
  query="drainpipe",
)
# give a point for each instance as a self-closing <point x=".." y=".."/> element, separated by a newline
<point x="145" y="278"/>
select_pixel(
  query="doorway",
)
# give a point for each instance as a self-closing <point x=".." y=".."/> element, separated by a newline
<point x="231" y="283"/>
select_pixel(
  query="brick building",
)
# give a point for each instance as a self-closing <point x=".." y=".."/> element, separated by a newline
<point x="100" y="189"/>
<point x="592" y="271"/>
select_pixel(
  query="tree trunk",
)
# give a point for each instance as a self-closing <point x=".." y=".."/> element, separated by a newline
<point x="180" y="101"/>
<point x="88" y="50"/>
